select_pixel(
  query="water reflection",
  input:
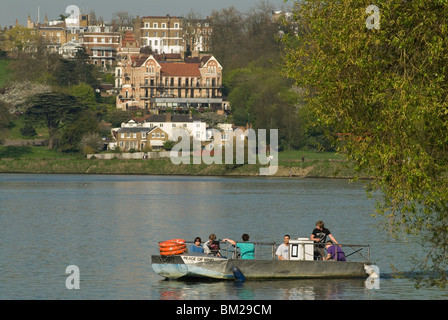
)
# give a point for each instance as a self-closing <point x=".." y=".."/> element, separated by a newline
<point x="309" y="289"/>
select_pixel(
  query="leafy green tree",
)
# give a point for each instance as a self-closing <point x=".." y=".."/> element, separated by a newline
<point x="85" y="124"/>
<point x="263" y="98"/>
<point x="20" y="39"/>
<point x="55" y="110"/>
<point x="72" y="72"/>
<point x="5" y="119"/>
<point x="84" y="93"/>
<point x="384" y="90"/>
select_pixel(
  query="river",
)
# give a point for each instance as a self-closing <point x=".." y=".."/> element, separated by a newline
<point x="109" y="225"/>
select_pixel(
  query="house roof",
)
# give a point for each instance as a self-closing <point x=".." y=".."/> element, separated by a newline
<point x="138" y="60"/>
<point x="180" y="69"/>
<point x="174" y="118"/>
<point x="172" y="66"/>
<point x="138" y="129"/>
<point x="135" y="129"/>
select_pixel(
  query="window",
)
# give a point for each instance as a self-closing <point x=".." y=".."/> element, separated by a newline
<point x="134" y="135"/>
<point x="143" y="135"/>
<point x="158" y="134"/>
<point x="163" y="134"/>
<point x="153" y="135"/>
<point x="163" y="25"/>
<point x="155" y="26"/>
<point x="122" y="135"/>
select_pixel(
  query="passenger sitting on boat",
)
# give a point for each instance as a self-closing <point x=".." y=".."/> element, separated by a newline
<point x="246" y="248"/>
<point x="212" y="246"/>
<point x="334" y="252"/>
<point x="196" y="246"/>
<point x="283" y="249"/>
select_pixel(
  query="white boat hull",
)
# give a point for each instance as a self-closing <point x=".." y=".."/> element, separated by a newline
<point x="203" y="266"/>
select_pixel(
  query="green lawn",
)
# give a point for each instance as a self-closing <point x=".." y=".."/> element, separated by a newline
<point x="34" y="152"/>
<point x="18" y="123"/>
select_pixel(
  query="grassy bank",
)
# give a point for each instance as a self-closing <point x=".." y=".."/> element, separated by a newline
<point x="30" y="159"/>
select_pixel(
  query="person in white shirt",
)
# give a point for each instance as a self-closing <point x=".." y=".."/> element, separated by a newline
<point x="283" y="249"/>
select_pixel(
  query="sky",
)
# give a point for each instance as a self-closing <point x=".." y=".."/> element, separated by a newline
<point x="19" y="9"/>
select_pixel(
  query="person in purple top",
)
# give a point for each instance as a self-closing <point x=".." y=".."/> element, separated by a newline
<point x="334" y="252"/>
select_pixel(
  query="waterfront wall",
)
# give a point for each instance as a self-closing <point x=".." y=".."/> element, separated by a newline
<point x="129" y="155"/>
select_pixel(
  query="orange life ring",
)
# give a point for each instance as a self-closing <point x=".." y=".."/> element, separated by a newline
<point x="170" y="243"/>
<point x="173" y="248"/>
<point x="172" y="253"/>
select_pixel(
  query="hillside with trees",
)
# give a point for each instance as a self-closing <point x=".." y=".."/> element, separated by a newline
<point x="248" y="45"/>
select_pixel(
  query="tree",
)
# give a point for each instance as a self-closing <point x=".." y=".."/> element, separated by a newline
<point x="385" y="92"/>
<point x="85" y="124"/>
<point x="20" y="39"/>
<point x="122" y="20"/>
<point x="85" y="93"/>
<point x="72" y="72"/>
<point x="17" y="93"/>
<point x="264" y="98"/>
<point x="37" y="65"/>
<point x="5" y="118"/>
<point x="226" y="36"/>
<point x="55" y="110"/>
<point x="91" y="143"/>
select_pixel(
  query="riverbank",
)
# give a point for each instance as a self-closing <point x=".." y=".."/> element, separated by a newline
<point x="309" y="169"/>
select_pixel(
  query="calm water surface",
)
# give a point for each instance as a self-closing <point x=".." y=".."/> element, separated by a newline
<point x="109" y="226"/>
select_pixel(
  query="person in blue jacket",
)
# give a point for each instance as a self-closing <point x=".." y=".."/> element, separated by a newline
<point x="196" y="246"/>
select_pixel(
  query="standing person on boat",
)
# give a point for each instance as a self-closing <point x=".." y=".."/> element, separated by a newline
<point x="212" y="245"/>
<point x="246" y="248"/>
<point x="319" y="236"/>
<point x="334" y="252"/>
<point x="196" y="246"/>
<point x="283" y="249"/>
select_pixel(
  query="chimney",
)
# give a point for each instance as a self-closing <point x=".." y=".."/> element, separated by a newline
<point x="168" y="117"/>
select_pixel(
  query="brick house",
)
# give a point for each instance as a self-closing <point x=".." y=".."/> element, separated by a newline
<point x="140" y="138"/>
<point x="101" y="43"/>
<point x="160" y="82"/>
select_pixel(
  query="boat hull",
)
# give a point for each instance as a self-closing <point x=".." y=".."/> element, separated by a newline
<point x="199" y="266"/>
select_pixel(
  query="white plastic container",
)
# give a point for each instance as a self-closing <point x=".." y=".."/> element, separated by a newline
<point x="301" y="249"/>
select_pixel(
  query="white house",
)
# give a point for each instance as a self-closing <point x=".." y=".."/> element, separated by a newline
<point x="170" y="122"/>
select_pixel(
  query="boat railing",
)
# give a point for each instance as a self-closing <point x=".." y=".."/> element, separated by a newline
<point x="267" y="250"/>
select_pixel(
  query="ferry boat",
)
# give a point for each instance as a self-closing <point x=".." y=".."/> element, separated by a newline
<point x="182" y="264"/>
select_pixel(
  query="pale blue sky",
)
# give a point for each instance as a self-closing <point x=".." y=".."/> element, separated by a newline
<point x="10" y="10"/>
